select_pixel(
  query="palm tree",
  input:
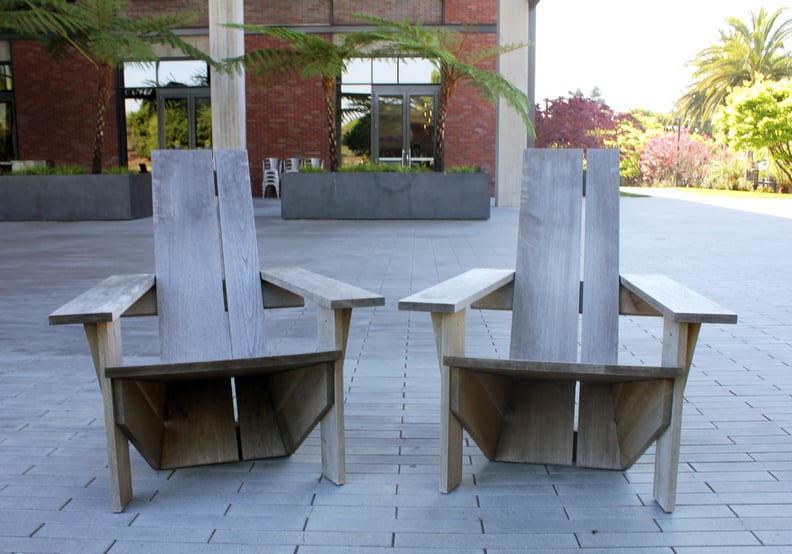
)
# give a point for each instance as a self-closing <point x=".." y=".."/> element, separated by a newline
<point x="309" y="56"/>
<point x="447" y="50"/>
<point x="101" y="32"/>
<point x="743" y="53"/>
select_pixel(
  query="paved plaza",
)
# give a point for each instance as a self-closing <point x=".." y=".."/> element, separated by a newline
<point x="735" y="482"/>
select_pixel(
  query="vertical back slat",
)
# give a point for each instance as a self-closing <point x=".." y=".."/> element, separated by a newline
<point x="193" y="322"/>
<point x="240" y="254"/>
<point x="598" y="440"/>
<point x="600" y="331"/>
<point x="547" y="280"/>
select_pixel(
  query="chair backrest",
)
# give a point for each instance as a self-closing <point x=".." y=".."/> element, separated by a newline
<point x="272" y="164"/>
<point x="291" y="164"/>
<point x="564" y="240"/>
<point x="207" y="269"/>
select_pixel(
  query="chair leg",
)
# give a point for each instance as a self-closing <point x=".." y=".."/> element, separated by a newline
<point x="333" y="333"/>
<point x="679" y="343"/>
<point x="104" y="340"/>
<point x="449" y="330"/>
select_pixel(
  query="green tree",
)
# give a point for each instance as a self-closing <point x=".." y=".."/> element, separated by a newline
<point x="456" y="63"/>
<point x="308" y="56"/>
<point x="102" y="32"/>
<point x="743" y="52"/>
<point x="759" y="115"/>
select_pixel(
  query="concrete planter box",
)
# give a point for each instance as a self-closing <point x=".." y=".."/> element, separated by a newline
<point x="349" y="195"/>
<point x="74" y="197"/>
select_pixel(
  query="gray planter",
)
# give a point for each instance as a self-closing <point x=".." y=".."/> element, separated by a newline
<point x="74" y="197"/>
<point x="385" y="195"/>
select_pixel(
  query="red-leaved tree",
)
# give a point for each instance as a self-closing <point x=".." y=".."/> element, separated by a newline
<point x="575" y="122"/>
<point x="676" y="158"/>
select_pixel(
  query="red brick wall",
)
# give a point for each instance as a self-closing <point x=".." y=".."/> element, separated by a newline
<point x="144" y="8"/>
<point x="480" y="12"/>
<point x="471" y="122"/>
<point x="425" y="11"/>
<point x="292" y="12"/>
<point x="56" y="108"/>
<point x="284" y="119"/>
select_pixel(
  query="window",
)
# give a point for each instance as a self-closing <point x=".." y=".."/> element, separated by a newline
<point x="167" y="106"/>
<point x="405" y="95"/>
<point x="7" y="124"/>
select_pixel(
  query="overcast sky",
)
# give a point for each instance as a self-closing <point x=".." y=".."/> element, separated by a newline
<point x="635" y="51"/>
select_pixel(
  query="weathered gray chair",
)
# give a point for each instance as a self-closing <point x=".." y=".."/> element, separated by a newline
<point x="524" y="409"/>
<point x="209" y="294"/>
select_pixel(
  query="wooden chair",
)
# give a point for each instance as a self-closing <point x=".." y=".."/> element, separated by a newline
<point x="209" y="294"/>
<point x="524" y="409"/>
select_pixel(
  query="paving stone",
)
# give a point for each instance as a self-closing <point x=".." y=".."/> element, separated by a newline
<point x="735" y="481"/>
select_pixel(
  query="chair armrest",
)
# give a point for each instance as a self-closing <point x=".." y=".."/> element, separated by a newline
<point x="458" y="292"/>
<point x="106" y="301"/>
<point x="322" y="290"/>
<point x="673" y="300"/>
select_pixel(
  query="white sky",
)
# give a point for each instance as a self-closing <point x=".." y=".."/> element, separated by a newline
<point x="635" y="51"/>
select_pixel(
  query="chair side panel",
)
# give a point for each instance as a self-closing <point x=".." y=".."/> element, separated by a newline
<point x="190" y="303"/>
<point x="547" y="279"/>
<point x="240" y="254"/>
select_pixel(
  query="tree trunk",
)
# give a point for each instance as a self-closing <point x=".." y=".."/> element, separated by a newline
<point x="104" y="86"/>
<point x="329" y="86"/>
<point x="447" y="85"/>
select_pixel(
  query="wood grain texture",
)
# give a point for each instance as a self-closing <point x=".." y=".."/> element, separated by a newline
<point x="240" y="254"/>
<point x="449" y="332"/>
<point x="211" y="369"/>
<point x="597" y="438"/>
<point x="600" y="325"/>
<point x="322" y="290"/>
<point x="458" y="292"/>
<point x="200" y="428"/>
<point x="191" y="304"/>
<point x="141" y="412"/>
<point x="105" y="342"/>
<point x="643" y="412"/>
<point x="676" y="301"/>
<point x="106" y="301"/>
<point x="333" y="329"/>
<point x="475" y="408"/>
<point x="546" y="304"/>
<point x="565" y="371"/>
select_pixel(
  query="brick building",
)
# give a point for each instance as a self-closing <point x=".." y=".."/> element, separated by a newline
<point x="47" y="106"/>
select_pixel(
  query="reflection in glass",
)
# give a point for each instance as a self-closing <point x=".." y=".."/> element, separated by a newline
<point x="6" y="80"/>
<point x="391" y="128"/>
<point x="6" y="132"/>
<point x="203" y="123"/>
<point x="187" y="73"/>
<point x="422" y="129"/>
<point x="177" y="132"/>
<point x="416" y="71"/>
<point x="385" y="71"/>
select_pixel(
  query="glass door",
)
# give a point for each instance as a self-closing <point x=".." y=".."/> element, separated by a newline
<point x="404" y="125"/>
<point x="186" y="118"/>
<point x="7" y="150"/>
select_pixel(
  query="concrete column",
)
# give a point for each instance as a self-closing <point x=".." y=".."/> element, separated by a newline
<point x="516" y="23"/>
<point x="227" y="90"/>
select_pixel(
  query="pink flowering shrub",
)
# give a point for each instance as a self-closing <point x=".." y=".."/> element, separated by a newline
<point x="666" y="154"/>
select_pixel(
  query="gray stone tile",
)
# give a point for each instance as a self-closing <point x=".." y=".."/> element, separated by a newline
<point x="734" y="485"/>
